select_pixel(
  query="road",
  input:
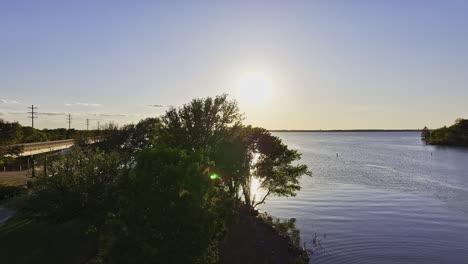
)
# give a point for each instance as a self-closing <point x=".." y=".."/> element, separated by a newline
<point x="16" y="177"/>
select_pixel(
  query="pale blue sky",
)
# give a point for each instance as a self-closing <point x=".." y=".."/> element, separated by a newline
<point x="331" y="64"/>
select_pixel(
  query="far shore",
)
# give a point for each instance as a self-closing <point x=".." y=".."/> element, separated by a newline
<point x="348" y="130"/>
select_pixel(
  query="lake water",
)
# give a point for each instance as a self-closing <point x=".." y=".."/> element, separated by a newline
<point x="384" y="199"/>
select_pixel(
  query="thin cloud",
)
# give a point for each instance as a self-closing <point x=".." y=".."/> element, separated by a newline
<point x="51" y="113"/>
<point x="111" y="115"/>
<point x="83" y="104"/>
<point x="8" y="101"/>
<point x="25" y="113"/>
<point x="13" y="113"/>
<point x="160" y="105"/>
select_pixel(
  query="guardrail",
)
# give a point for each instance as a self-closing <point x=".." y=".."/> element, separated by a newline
<point x="44" y="147"/>
<point x="49" y="146"/>
<point x="45" y="144"/>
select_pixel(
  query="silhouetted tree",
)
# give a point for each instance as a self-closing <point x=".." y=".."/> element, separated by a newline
<point x="256" y="155"/>
<point x="200" y="124"/>
<point x="129" y="139"/>
<point x="241" y="154"/>
<point x="425" y="133"/>
<point x="457" y="134"/>
<point x="170" y="212"/>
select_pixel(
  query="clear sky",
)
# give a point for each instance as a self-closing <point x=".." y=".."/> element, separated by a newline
<point x="307" y="64"/>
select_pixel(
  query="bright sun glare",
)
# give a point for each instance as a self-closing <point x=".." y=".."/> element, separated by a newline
<point x="254" y="87"/>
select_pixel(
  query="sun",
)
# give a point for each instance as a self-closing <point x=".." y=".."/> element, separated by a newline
<point x="254" y="87"/>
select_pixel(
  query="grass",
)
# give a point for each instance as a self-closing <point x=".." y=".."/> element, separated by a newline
<point x="23" y="240"/>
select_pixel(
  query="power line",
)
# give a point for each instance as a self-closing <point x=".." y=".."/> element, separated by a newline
<point x="69" y="121"/>
<point x="33" y="114"/>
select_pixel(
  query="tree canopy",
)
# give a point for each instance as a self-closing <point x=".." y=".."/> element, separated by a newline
<point x="456" y="135"/>
<point x="162" y="191"/>
<point x="10" y="134"/>
<point x="253" y="154"/>
<point x="200" y="124"/>
<point x="170" y="208"/>
<point x="242" y="154"/>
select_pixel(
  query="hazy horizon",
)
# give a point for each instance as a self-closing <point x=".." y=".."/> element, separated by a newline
<point x="302" y="65"/>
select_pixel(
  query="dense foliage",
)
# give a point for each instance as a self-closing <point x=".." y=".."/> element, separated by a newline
<point x="161" y="191"/>
<point x="242" y="154"/>
<point x="455" y="135"/>
<point x="82" y="184"/>
<point x="9" y="190"/>
<point x="252" y="154"/>
<point x="170" y="212"/>
<point x="128" y="140"/>
<point x="200" y="125"/>
<point x="10" y="134"/>
<point x="286" y="228"/>
<point x="14" y="133"/>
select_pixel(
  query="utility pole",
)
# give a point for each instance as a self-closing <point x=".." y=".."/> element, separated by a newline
<point x="33" y="114"/>
<point x="98" y="126"/>
<point x="87" y="123"/>
<point x="69" y="121"/>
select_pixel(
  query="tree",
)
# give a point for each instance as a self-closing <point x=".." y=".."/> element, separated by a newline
<point x="10" y="134"/>
<point x="263" y="158"/>
<point x="456" y="134"/>
<point x="200" y="124"/>
<point x="242" y="154"/>
<point x="33" y="135"/>
<point x="170" y="212"/>
<point x="129" y="139"/>
<point x="425" y="133"/>
<point x="144" y="134"/>
<point x="82" y="184"/>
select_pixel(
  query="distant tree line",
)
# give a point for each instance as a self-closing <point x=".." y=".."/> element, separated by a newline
<point x="163" y="190"/>
<point x="454" y="135"/>
<point x="12" y="134"/>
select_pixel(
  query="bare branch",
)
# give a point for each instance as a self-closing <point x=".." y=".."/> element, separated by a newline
<point x="263" y="200"/>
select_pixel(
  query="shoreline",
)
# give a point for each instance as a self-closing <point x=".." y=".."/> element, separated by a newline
<point x="347" y="130"/>
<point x="249" y="239"/>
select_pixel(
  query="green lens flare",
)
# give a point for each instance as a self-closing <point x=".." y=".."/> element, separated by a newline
<point x="214" y="176"/>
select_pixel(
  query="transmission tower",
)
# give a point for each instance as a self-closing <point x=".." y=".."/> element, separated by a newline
<point x="87" y="123"/>
<point x="69" y="121"/>
<point x="33" y="114"/>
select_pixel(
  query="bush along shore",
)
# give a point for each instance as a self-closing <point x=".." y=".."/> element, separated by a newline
<point x="174" y="189"/>
<point x="454" y="135"/>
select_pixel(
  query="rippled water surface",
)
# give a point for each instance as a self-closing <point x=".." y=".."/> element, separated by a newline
<point x="384" y="199"/>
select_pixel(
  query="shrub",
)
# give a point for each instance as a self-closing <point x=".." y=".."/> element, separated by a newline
<point x="8" y="190"/>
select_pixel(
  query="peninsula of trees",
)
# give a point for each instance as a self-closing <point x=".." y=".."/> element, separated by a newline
<point x="174" y="189"/>
<point x="454" y="135"/>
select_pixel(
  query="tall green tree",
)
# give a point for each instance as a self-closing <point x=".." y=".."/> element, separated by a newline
<point x="242" y="155"/>
<point x="260" y="165"/>
<point x="170" y="212"/>
<point x="144" y="134"/>
<point x="128" y="140"/>
<point x="200" y="124"/>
